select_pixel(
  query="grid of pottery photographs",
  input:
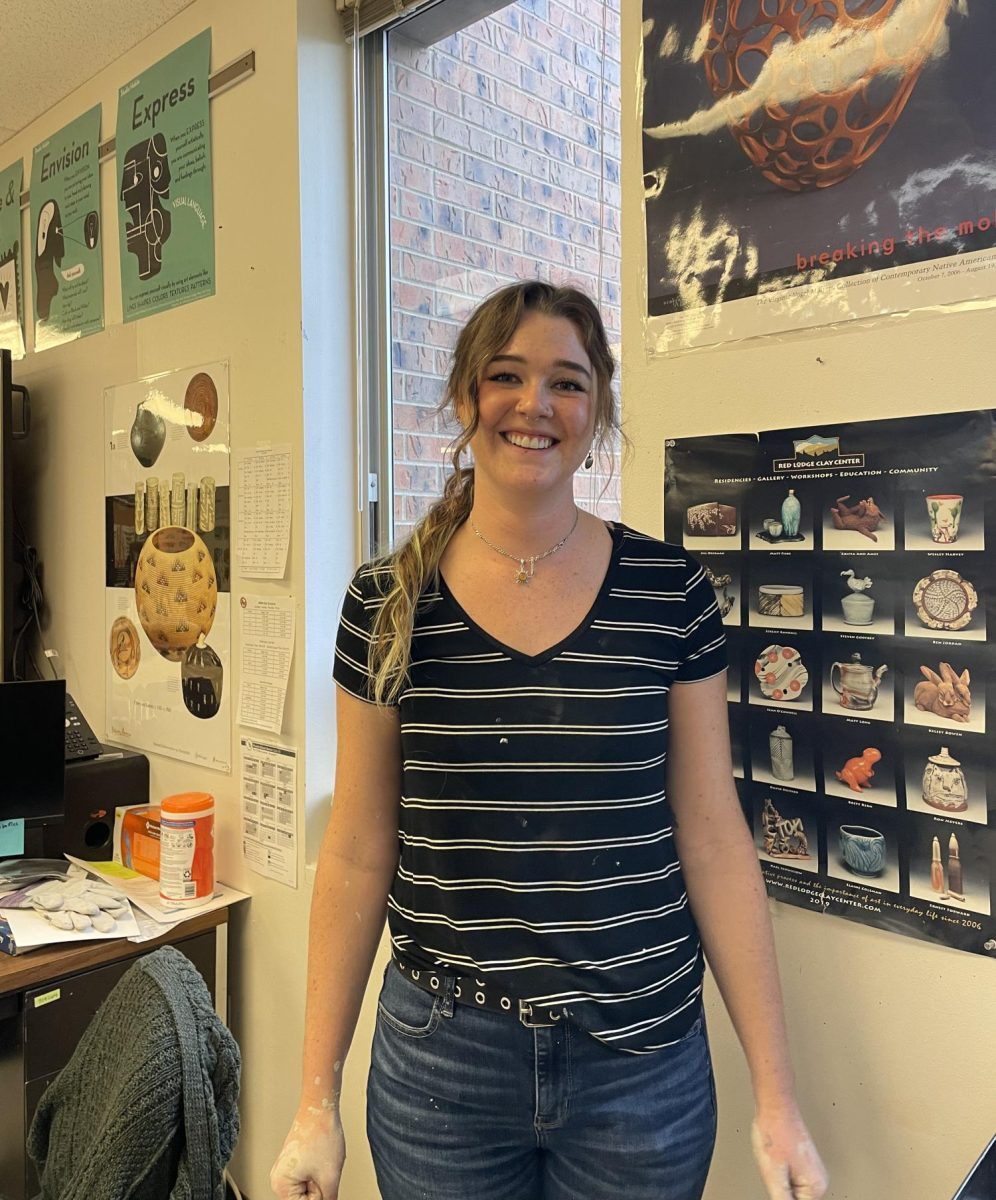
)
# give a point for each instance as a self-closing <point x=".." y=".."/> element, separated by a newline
<point x="858" y="630"/>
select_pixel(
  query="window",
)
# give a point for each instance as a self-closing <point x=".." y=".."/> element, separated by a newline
<point x="502" y="148"/>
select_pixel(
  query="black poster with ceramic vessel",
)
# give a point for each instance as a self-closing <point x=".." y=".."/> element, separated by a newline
<point x="854" y="570"/>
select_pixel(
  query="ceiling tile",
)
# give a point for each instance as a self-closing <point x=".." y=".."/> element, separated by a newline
<point x="51" y="47"/>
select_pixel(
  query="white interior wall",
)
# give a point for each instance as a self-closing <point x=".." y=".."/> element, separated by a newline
<point x="892" y="1037"/>
<point x="282" y="343"/>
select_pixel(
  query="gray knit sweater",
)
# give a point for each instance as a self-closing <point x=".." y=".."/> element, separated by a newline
<point x="147" y="1106"/>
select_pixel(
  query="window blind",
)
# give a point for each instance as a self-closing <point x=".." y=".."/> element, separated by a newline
<point x="440" y="17"/>
<point x="373" y="14"/>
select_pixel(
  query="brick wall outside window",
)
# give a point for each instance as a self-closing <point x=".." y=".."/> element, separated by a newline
<point x="504" y="165"/>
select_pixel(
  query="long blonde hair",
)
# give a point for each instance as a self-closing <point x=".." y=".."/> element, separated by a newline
<point x="414" y="564"/>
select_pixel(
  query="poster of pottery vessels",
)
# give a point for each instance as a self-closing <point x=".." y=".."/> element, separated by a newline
<point x="945" y="517"/>
<point x="861" y="679"/>
<point x="785" y="149"/>
<point x="168" y="565"/>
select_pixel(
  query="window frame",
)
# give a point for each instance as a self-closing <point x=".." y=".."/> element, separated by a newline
<point x="374" y="387"/>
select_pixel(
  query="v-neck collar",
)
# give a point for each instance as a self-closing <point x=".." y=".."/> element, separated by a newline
<point x="616" y="531"/>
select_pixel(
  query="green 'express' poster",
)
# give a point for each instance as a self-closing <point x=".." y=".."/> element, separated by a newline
<point x="165" y="210"/>
<point x="66" y="265"/>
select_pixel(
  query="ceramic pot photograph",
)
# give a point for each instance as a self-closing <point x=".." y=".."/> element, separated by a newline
<point x="946" y="600"/>
<point x="855" y="683"/>
<point x="780" y="749"/>
<point x="858" y="609"/>
<point x="781" y="600"/>
<point x="862" y="849"/>
<point x="944" y="513"/>
<point x="791" y="514"/>
<point x="148" y="435"/>
<point x="854" y="600"/>
<point x="781" y="674"/>
<point x="823" y="138"/>
<point x="176" y="590"/>
<point x="944" y="784"/>
<point x="952" y="514"/>
<point x="201" y="680"/>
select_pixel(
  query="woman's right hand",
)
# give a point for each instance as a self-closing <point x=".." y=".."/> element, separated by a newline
<point x="309" y="1165"/>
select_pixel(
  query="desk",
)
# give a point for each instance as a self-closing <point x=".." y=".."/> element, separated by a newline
<point x="38" y="1039"/>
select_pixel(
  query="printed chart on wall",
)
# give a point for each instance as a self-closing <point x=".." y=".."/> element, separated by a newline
<point x="66" y="265"/>
<point x="809" y="163"/>
<point x="168" y="563"/>
<point x="11" y="279"/>
<point x="854" y="568"/>
<point x="165" y="209"/>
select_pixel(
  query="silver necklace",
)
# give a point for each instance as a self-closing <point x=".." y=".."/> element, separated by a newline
<point x="527" y="564"/>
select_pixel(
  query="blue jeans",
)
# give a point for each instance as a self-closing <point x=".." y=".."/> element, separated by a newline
<point x="475" y="1106"/>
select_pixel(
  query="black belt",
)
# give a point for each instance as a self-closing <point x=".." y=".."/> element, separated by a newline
<point x="477" y="993"/>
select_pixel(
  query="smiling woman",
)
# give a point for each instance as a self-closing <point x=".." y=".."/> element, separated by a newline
<point x="534" y="408"/>
<point x="548" y="748"/>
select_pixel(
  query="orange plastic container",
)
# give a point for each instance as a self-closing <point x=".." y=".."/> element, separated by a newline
<point x="186" y="849"/>
<point x="136" y="838"/>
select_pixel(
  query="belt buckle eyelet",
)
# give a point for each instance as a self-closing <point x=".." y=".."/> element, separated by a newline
<point x="526" y="1012"/>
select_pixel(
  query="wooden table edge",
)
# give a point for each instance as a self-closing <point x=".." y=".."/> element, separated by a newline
<point x="34" y="967"/>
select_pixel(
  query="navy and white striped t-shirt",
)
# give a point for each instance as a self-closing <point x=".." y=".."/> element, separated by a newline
<point x="536" y="839"/>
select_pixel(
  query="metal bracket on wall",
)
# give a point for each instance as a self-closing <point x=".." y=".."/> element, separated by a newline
<point x="224" y="78"/>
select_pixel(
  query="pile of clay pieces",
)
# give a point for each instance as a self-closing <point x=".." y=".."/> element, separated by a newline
<point x="79" y="904"/>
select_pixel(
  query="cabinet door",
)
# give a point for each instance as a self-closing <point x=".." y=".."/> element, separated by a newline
<point x="56" y="1014"/>
<point x="53" y="1019"/>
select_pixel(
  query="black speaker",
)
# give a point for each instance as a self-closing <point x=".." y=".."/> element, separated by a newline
<point x="95" y="787"/>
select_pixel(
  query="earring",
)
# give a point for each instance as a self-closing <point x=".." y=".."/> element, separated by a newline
<point x="589" y="462"/>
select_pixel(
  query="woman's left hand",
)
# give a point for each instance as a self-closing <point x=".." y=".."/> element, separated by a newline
<point x="789" y="1163"/>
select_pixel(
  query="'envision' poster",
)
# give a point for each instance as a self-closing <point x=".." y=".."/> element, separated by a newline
<point x="66" y="266"/>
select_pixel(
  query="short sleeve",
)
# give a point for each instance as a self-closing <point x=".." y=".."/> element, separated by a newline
<point x="705" y="641"/>
<point x="360" y="605"/>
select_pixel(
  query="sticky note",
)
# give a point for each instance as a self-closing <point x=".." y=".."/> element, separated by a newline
<point x="11" y="837"/>
<point x="115" y="870"/>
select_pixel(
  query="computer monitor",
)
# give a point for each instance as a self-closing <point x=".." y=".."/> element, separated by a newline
<point x="7" y="584"/>
<point x="33" y="720"/>
<point x="15" y="422"/>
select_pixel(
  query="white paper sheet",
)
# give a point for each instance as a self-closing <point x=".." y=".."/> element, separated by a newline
<point x="30" y="930"/>
<point x="267" y="650"/>
<point x="269" y="809"/>
<point x="143" y="892"/>
<point x="264" y="511"/>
